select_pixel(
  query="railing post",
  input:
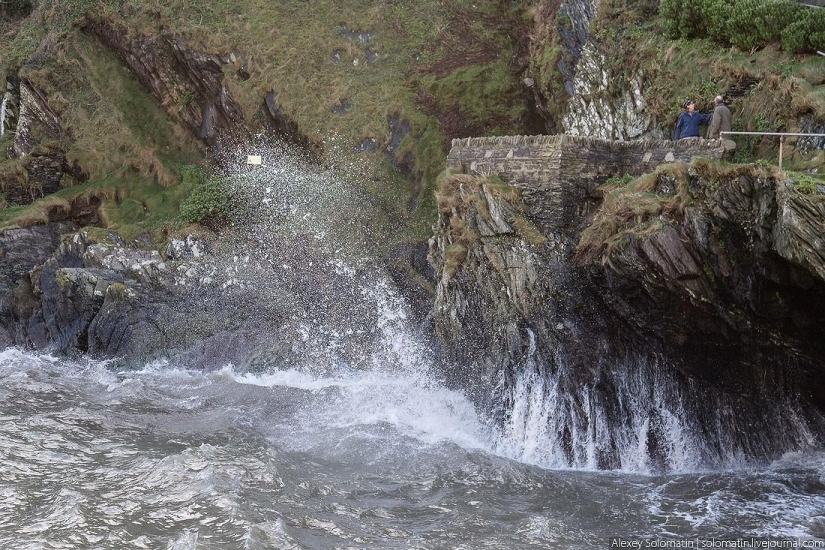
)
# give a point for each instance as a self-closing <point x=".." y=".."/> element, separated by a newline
<point x="781" y="143"/>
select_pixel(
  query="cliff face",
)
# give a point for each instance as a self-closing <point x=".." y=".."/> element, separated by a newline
<point x="600" y="108"/>
<point x="662" y="324"/>
<point x="177" y="75"/>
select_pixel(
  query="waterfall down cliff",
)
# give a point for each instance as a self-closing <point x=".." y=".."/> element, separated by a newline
<point x="3" y="114"/>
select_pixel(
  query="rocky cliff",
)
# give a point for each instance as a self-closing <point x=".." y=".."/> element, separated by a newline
<point x="203" y="303"/>
<point x="662" y="321"/>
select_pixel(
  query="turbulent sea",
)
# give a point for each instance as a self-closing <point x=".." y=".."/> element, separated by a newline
<point x="387" y="458"/>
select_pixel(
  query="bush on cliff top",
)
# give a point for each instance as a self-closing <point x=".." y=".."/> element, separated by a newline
<point x="210" y="200"/>
<point x="746" y="24"/>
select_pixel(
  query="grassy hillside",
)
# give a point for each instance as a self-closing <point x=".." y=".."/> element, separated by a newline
<point x="444" y="68"/>
<point x="346" y="73"/>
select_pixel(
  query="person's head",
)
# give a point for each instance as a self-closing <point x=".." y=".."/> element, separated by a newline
<point x="718" y="100"/>
<point x="688" y="105"/>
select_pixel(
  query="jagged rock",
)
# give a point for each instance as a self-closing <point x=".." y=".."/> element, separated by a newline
<point x="177" y="76"/>
<point x="115" y="301"/>
<point x="190" y="247"/>
<point x="709" y="308"/>
<point x="574" y="37"/>
<point x="21" y="251"/>
<point x="599" y="108"/>
<point x="797" y="233"/>
<point x="810" y="125"/>
<point x="35" y="117"/>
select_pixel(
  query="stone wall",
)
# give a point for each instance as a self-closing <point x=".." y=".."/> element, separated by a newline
<point x="554" y="171"/>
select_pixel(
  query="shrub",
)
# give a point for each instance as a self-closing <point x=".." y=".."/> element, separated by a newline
<point x="806" y="185"/>
<point x="806" y="33"/>
<point x="746" y="24"/>
<point x="209" y="202"/>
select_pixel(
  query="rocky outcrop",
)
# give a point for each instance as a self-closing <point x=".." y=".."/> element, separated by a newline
<point x="605" y="105"/>
<point x="557" y="174"/>
<point x="560" y="32"/>
<point x="190" y="84"/>
<point x="686" y="339"/>
<point x="735" y="275"/>
<point x="573" y="27"/>
<point x="193" y="305"/>
<point x="21" y="250"/>
<point x="109" y="300"/>
<point x="40" y="168"/>
<point x="35" y="120"/>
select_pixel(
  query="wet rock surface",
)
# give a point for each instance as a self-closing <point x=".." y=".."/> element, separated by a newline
<point x="710" y="310"/>
<point x="192" y="306"/>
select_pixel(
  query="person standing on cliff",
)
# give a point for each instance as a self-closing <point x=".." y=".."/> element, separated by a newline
<point x="720" y="119"/>
<point x="687" y="127"/>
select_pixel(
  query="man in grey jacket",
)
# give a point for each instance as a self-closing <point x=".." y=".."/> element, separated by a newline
<point x="721" y="119"/>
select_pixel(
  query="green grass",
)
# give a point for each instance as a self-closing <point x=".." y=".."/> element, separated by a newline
<point x="674" y="70"/>
<point x="130" y="206"/>
<point x="122" y="138"/>
<point x="634" y="209"/>
<point x="449" y="68"/>
<point x="457" y="54"/>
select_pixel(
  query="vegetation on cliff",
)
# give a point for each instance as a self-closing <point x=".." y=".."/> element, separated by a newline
<point x="634" y="209"/>
<point x="379" y="88"/>
<point x="647" y="45"/>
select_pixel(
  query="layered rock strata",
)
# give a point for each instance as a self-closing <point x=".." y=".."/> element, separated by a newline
<point x="630" y="338"/>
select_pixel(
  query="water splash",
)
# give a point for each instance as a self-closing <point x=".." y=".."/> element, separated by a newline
<point x="638" y="415"/>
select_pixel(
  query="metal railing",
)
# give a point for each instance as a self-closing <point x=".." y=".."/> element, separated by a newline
<point x="782" y="136"/>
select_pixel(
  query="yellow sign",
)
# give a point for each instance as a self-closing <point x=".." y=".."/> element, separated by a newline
<point x="253" y="160"/>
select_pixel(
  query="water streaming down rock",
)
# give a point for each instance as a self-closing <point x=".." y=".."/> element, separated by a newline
<point x="297" y="283"/>
<point x="3" y="113"/>
<point x="639" y="415"/>
<point x="162" y="457"/>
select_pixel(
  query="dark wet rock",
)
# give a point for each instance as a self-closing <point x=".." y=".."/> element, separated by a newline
<point x="23" y="249"/>
<point x="341" y="108"/>
<point x="717" y="302"/>
<point x="368" y="145"/>
<point x="413" y="276"/>
<point x="362" y="37"/>
<point x="195" y="307"/>
<point x="399" y="129"/>
<point x="371" y="56"/>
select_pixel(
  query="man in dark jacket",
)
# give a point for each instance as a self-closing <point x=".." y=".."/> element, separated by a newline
<point x="720" y="120"/>
<point x="687" y="127"/>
